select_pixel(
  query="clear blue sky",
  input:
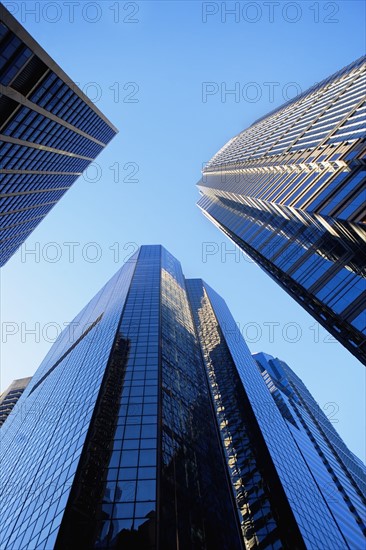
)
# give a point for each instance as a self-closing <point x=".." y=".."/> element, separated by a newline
<point x="168" y="54"/>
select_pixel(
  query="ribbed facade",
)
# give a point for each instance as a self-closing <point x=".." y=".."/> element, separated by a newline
<point x="49" y="134"/>
<point x="10" y="396"/>
<point x="290" y="191"/>
<point x="149" y="425"/>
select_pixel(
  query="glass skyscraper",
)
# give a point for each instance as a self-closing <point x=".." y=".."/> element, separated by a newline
<point x="290" y="192"/>
<point x="339" y="474"/>
<point x="50" y="132"/>
<point x="150" y="426"/>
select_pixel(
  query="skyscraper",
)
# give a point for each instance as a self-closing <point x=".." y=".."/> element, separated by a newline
<point x="149" y="425"/>
<point x="10" y="396"/>
<point x="290" y="192"/>
<point x="330" y="461"/>
<point x="50" y="132"/>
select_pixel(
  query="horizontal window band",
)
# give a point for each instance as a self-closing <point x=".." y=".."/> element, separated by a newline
<point x="16" y="96"/>
<point x="33" y="192"/>
<point x="2" y="214"/>
<point x="24" y="143"/>
<point x="41" y="172"/>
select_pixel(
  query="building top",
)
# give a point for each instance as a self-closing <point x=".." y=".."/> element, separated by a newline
<point x="13" y="24"/>
<point x="18" y="384"/>
<point x="328" y="113"/>
<point x="326" y="81"/>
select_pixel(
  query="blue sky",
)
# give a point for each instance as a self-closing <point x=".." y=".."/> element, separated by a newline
<point x="148" y="65"/>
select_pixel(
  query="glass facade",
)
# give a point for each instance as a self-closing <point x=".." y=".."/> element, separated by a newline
<point x="339" y="474"/>
<point x="49" y="134"/>
<point x="290" y="192"/>
<point x="149" y="425"/>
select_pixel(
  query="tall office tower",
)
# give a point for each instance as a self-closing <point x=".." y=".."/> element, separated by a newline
<point x="290" y="192"/>
<point x="49" y="134"/>
<point x="148" y="425"/>
<point x="339" y="474"/>
<point x="10" y="396"/>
